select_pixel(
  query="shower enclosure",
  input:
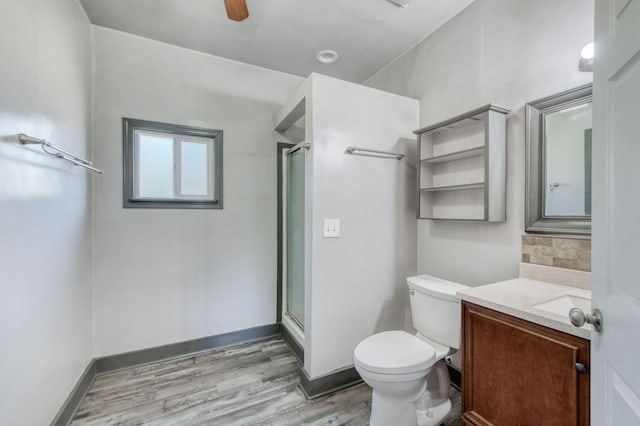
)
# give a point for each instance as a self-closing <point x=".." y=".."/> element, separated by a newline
<point x="342" y="288"/>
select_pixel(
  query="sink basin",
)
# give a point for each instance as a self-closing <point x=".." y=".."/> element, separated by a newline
<point x="561" y="305"/>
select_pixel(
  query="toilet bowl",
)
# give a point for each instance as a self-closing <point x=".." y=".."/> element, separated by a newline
<point x="407" y="374"/>
<point x="396" y="365"/>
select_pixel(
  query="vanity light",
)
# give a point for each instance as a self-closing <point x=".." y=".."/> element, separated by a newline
<point x="586" y="61"/>
<point x="327" y="56"/>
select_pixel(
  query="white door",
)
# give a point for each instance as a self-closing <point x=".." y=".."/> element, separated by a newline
<point x="615" y="352"/>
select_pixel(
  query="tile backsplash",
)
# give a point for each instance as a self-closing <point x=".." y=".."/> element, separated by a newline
<point x="570" y="253"/>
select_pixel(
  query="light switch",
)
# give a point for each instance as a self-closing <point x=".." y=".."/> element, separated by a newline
<point x="331" y="228"/>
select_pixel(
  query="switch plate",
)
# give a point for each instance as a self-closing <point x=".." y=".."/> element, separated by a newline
<point x="331" y="228"/>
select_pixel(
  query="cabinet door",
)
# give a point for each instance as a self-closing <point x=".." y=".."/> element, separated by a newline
<point x="519" y="373"/>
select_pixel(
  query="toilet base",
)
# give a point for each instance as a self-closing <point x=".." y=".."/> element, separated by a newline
<point x="423" y="401"/>
<point x="434" y="415"/>
<point x="388" y="410"/>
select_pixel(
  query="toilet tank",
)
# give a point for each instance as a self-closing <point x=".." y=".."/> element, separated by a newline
<point x="435" y="309"/>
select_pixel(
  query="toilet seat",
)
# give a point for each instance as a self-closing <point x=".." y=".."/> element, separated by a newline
<point x="394" y="352"/>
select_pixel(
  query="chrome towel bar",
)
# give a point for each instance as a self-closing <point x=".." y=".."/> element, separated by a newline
<point x="49" y="148"/>
<point x="353" y="150"/>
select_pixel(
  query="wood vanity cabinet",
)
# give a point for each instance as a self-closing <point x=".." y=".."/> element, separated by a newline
<point x="515" y="372"/>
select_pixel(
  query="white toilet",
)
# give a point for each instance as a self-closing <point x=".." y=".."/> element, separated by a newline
<point x="407" y="373"/>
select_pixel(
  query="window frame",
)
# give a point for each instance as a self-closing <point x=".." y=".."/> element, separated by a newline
<point x="131" y="127"/>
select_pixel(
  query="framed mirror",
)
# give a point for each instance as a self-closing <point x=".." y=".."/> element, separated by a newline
<point x="558" y="163"/>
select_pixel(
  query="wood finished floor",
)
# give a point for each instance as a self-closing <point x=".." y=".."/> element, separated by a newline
<point x="250" y="384"/>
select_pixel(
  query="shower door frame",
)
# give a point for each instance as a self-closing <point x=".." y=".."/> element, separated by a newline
<point x="282" y="154"/>
<point x="281" y="148"/>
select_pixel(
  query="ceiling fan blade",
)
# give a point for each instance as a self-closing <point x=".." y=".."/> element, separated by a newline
<point x="236" y="9"/>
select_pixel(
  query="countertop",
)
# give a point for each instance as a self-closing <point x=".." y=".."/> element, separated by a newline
<point x="516" y="297"/>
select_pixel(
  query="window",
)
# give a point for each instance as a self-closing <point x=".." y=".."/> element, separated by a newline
<point x="171" y="166"/>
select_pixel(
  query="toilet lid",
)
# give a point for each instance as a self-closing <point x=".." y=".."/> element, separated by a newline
<point x="394" y="352"/>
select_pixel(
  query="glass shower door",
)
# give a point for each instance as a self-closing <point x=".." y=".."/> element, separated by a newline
<point x="295" y="236"/>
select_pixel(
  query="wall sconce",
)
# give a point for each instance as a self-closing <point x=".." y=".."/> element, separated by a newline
<point x="586" y="60"/>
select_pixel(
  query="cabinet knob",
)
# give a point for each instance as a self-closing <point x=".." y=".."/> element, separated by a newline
<point x="581" y="368"/>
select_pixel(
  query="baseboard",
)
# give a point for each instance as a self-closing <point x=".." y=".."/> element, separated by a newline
<point x="294" y="345"/>
<point x="158" y="353"/>
<point x="145" y="356"/>
<point x="347" y="377"/>
<point x="70" y="405"/>
<point x="328" y="383"/>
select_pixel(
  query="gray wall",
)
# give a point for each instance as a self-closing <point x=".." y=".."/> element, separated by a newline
<point x="45" y="229"/>
<point x="507" y="52"/>
<point x="163" y="276"/>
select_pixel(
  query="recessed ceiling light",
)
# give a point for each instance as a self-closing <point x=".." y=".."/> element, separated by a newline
<point x="327" y="56"/>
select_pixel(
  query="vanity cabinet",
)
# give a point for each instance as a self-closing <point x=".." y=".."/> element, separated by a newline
<point x="462" y="167"/>
<point x="519" y="373"/>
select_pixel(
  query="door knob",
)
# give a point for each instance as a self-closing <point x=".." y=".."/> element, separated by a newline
<point x="579" y="318"/>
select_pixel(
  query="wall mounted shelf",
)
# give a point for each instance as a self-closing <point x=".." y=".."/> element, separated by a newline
<point x="462" y="167"/>
<point x="478" y="185"/>
<point x="467" y="153"/>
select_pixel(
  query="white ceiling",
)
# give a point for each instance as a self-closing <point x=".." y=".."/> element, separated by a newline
<point x="284" y="35"/>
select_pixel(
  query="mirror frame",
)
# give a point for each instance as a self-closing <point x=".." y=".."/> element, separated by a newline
<point x="535" y="219"/>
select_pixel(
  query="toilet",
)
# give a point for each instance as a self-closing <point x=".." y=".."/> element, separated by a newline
<point x="407" y="373"/>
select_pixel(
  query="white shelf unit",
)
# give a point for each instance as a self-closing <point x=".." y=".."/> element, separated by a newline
<point x="462" y="167"/>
